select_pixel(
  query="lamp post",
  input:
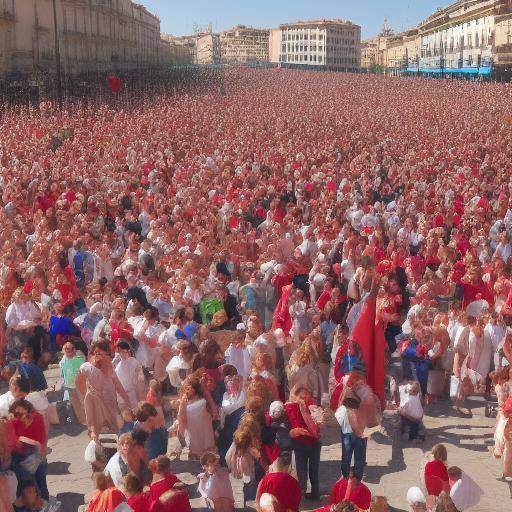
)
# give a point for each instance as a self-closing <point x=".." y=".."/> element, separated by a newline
<point x="57" y="54"/>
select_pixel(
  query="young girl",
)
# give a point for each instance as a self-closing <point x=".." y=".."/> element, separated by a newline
<point x="411" y="410"/>
<point x="129" y="372"/>
<point x="214" y="485"/>
<point x="154" y="397"/>
<point x="241" y="457"/>
<point x="195" y="418"/>
<point x="262" y="366"/>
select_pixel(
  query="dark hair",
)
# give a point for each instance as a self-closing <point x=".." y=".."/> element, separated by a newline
<point x="132" y="484"/>
<point x="21" y="403"/>
<point x="144" y="411"/>
<point x="139" y="436"/>
<point x="21" y="382"/>
<point x="151" y="314"/>
<point x="208" y="457"/>
<point x="28" y="484"/>
<point x="124" y="345"/>
<point x="102" y="345"/>
<point x="454" y="472"/>
<point x="160" y="465"/>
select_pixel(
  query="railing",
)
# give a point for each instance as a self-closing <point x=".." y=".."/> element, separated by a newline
<point x="7" y="15"/>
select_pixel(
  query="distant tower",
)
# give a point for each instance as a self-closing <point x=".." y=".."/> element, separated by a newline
<point x="386" y="30"/>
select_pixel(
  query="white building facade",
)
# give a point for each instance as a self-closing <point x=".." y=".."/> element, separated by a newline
<point x="334" y="44"/>
<point x="460" y="38"/>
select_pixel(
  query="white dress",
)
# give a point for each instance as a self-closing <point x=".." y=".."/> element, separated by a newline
<point x="129" y="373"/>
<point x="199" y="430"/>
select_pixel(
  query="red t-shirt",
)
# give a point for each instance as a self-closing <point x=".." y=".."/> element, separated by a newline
<point x="436" y="477"/>
<point x="283" y="487"/>
<point x="172" y="501"/>
<point x="359" y="496"/>
<point x="158" y="488"/>
<point x="140" y="502"/>
<point x="35" y="431"/>
<point x="296" y="420"/>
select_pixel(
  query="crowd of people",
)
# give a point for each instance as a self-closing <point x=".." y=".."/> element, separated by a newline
<point x="236" y="267"/>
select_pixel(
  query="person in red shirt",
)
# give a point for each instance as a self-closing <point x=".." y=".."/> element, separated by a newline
<point x="305" y="434"/>
<point x="353" y="490"/>
<point x="436" y="473"/>
<point x="163" y="479"/>
<point x="280" y="484"/>
<point x="106" y="497"/>
<point x="28" y="455"/>
<point x="343" y="506"/>
<point x="138" y="500"/>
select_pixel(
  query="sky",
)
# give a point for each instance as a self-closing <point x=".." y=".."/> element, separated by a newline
<point x="179" y="16"/>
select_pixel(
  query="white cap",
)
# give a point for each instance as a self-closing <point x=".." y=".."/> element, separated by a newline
<point x="415" y="496"/>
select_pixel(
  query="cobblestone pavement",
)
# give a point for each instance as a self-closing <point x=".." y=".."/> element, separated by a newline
<point x="393" y="465"/>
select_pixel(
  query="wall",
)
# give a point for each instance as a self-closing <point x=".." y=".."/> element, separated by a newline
<point x="93" y="35"/>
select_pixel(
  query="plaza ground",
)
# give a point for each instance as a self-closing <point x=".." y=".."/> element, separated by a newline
<point x="393" y="465"/>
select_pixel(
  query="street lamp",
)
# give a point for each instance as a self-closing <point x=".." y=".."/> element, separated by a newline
<point x="57" y="54"/>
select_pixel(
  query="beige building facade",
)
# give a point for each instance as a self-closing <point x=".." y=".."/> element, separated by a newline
<point x="274" y="45"/>
<point x="208" y="50"/>
<point x="333" y="43"/>
<point x="243" y="44"/>
<point x="369" y="53"/>
<point x="93" y="35"/>
<point x="182" y="49"/>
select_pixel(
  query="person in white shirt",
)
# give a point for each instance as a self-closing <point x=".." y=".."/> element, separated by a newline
<point x="503" y="249"/>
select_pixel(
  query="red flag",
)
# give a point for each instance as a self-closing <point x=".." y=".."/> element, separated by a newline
<point x="370" y="337"/>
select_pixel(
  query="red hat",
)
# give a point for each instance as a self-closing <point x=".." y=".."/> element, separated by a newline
<point x="28" y="286"/>
<point x="309" y="187"/>
<point x="331" y="186"/>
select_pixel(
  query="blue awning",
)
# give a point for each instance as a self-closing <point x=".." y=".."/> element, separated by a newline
<point x="484" y="70"/>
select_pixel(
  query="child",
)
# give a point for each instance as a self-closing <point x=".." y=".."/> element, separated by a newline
<point x="69" y="366"/>
<point x="163" y="479"/>
<point x="214" y="485"/>
<point x="31" y="371"/>
<point x="411" y="410"/>
<point x="129" y="371"/>
<point x="241" y="458"/>
<point x="149" y="421"/>
<point x="239" y="356"/>
<point x="195" y="418"/>
<point x="280" y="425"/>
<point x="134" y="492"/>
<point x="154" y="397"/>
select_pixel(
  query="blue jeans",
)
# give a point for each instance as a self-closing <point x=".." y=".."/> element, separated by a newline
<point x="305" y="454"/>
<point x="351" y="444"/>
<point x="24" y="476"/>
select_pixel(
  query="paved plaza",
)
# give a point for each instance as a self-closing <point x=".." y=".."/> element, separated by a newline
<point x="393" y="465"/>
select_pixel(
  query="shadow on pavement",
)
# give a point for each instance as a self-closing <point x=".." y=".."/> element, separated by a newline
<point x="70" y="501"/>
<point x="72" y="430"/>
<point x="58" y="468"/>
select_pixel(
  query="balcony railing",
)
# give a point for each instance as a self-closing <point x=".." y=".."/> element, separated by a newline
<point x="6" y="15"/>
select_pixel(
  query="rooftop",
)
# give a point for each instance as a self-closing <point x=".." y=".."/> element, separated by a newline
<point x="322" y="21"/>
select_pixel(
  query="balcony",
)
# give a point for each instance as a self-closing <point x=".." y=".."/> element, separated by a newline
<point x="7" y="15"/>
